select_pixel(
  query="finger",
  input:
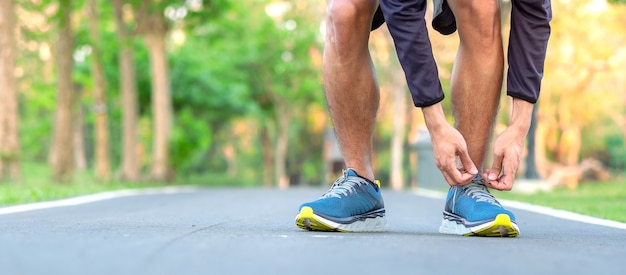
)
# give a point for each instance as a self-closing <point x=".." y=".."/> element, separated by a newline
<point x="503" y="183"/>
<point x="443" y="167"/>
<point x="488" y="182"/>
<point x="496" y="167"/>
<point x="453" y="176"/>
<point x="462" y="177"/>
<point x="467" y="163"/>
<point x="459" y="178"/>
<point x="493" y="183"/>
<point x="508" y="175"/>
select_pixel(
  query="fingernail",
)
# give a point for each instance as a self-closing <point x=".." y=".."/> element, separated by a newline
<point x="473" y="171"/>
<point x="492" y="176"/>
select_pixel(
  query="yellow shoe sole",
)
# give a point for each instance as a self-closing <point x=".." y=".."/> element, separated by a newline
<point x="500" y="227"/>
<point x="307" y="220"/>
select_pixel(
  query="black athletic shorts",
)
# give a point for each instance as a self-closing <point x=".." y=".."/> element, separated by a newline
<point x="530" y="30"/>
<point x="444" y="21"/>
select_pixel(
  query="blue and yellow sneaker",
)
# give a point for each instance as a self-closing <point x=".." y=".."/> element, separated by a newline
<point x="472" y="211"/>
<point x="353" y="204"/>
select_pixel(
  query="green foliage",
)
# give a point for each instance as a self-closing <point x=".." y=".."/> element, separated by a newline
<point x="191" y="139"/>
<point x="617" y="152"/>
<point x="233" y="66"/>
<point x="206" y="79"/>
<point x="604" y="141"/>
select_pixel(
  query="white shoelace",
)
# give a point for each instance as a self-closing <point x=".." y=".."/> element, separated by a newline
<point x="344" y="189"/>
<point x="476" y="189"/>
<point x="342" y="186"/>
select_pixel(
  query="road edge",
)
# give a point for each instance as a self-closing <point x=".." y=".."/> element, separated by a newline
<point x="557" y="213"/>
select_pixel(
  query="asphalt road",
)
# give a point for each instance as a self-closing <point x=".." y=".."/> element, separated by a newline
<point x="252" y="231"/>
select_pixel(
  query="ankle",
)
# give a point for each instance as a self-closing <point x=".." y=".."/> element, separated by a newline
<point x="364" y="175"/>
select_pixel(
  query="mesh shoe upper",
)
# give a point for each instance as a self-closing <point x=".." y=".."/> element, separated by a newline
<point x="474" y="203"/>
<point x="349" y="197"/>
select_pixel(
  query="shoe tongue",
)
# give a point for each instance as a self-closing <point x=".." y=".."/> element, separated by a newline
<point x="351" y="173"/>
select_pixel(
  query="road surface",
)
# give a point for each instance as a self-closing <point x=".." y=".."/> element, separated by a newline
<point x="252" y="231"/>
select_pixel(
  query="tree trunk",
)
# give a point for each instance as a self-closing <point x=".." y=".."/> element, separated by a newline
<point x="153" y="28"/>
<point x="268" y="165"/>
<point x="80" y="159"/>
<point x="161" y="106"/>
<point x="102" y="147"/>
<point x="624" y="108"/>
<point x="282" y="140"/>
<point x="9" y="117"/>
<point x="128" y="87"/>
<point x="63" y="155"/>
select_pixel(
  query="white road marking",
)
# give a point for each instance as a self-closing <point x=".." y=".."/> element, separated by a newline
<point x="537" y="209"/>
<point x="174" y="189"/>
<point x="95" y="198"/>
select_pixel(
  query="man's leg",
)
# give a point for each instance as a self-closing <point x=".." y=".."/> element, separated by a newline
<point x="349" y="82"/>
<point x="475" y="91"/>
<point x="477" y="75"/>
<point x="354" y="202"/>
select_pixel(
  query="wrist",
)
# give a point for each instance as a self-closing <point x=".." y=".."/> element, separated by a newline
<point x="434" y="117"/>
<point x="521" y="115"/>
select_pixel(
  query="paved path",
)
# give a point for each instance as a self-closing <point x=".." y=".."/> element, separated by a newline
<point x="251" y="231"/>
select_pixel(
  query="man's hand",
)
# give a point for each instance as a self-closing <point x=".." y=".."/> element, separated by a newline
<point x="508" y="147"/>
<point x="507" y="153"/>
<point x="448" y="146"/>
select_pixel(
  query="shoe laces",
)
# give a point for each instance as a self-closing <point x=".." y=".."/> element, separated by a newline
<point x="477" y="189"/>
<point x="342" y="186"/>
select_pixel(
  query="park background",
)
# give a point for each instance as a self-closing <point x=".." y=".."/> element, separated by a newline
<point x="98" y="95"/>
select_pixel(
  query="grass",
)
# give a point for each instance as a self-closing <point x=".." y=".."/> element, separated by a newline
<point x="36" y="184"/>
<point x="600" y="199"/>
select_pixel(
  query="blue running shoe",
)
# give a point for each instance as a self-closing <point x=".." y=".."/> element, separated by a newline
<point x="472" y="211"/>
<point x="353" y="204"/>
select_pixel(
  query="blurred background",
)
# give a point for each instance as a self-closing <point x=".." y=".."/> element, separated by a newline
<point x="99" y="94"/>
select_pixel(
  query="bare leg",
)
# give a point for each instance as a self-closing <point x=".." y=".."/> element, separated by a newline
<point x="477" y="75"/>
<point x="351" y="88"/>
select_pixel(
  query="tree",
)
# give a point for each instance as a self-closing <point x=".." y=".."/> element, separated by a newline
<point x="62" y="149"/>
<point x="128" y="88"/>
<point x="103" y="169"/>
<point x="290" y="83"/>
<point x="9" y="132"/>
<point x="153" y="28"/>
<point x="574" y="115"/>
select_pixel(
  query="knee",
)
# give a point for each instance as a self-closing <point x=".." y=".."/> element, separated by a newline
<point x="349" y="16"/>
<point x="479" y="18"/>
<point x="348" y="24"/>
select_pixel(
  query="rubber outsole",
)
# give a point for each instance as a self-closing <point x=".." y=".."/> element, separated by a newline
<point x="502" y="226"/>
<point x="307" y="220"/>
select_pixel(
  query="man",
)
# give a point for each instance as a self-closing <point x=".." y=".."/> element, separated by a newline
<point x="354" y="202"/>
